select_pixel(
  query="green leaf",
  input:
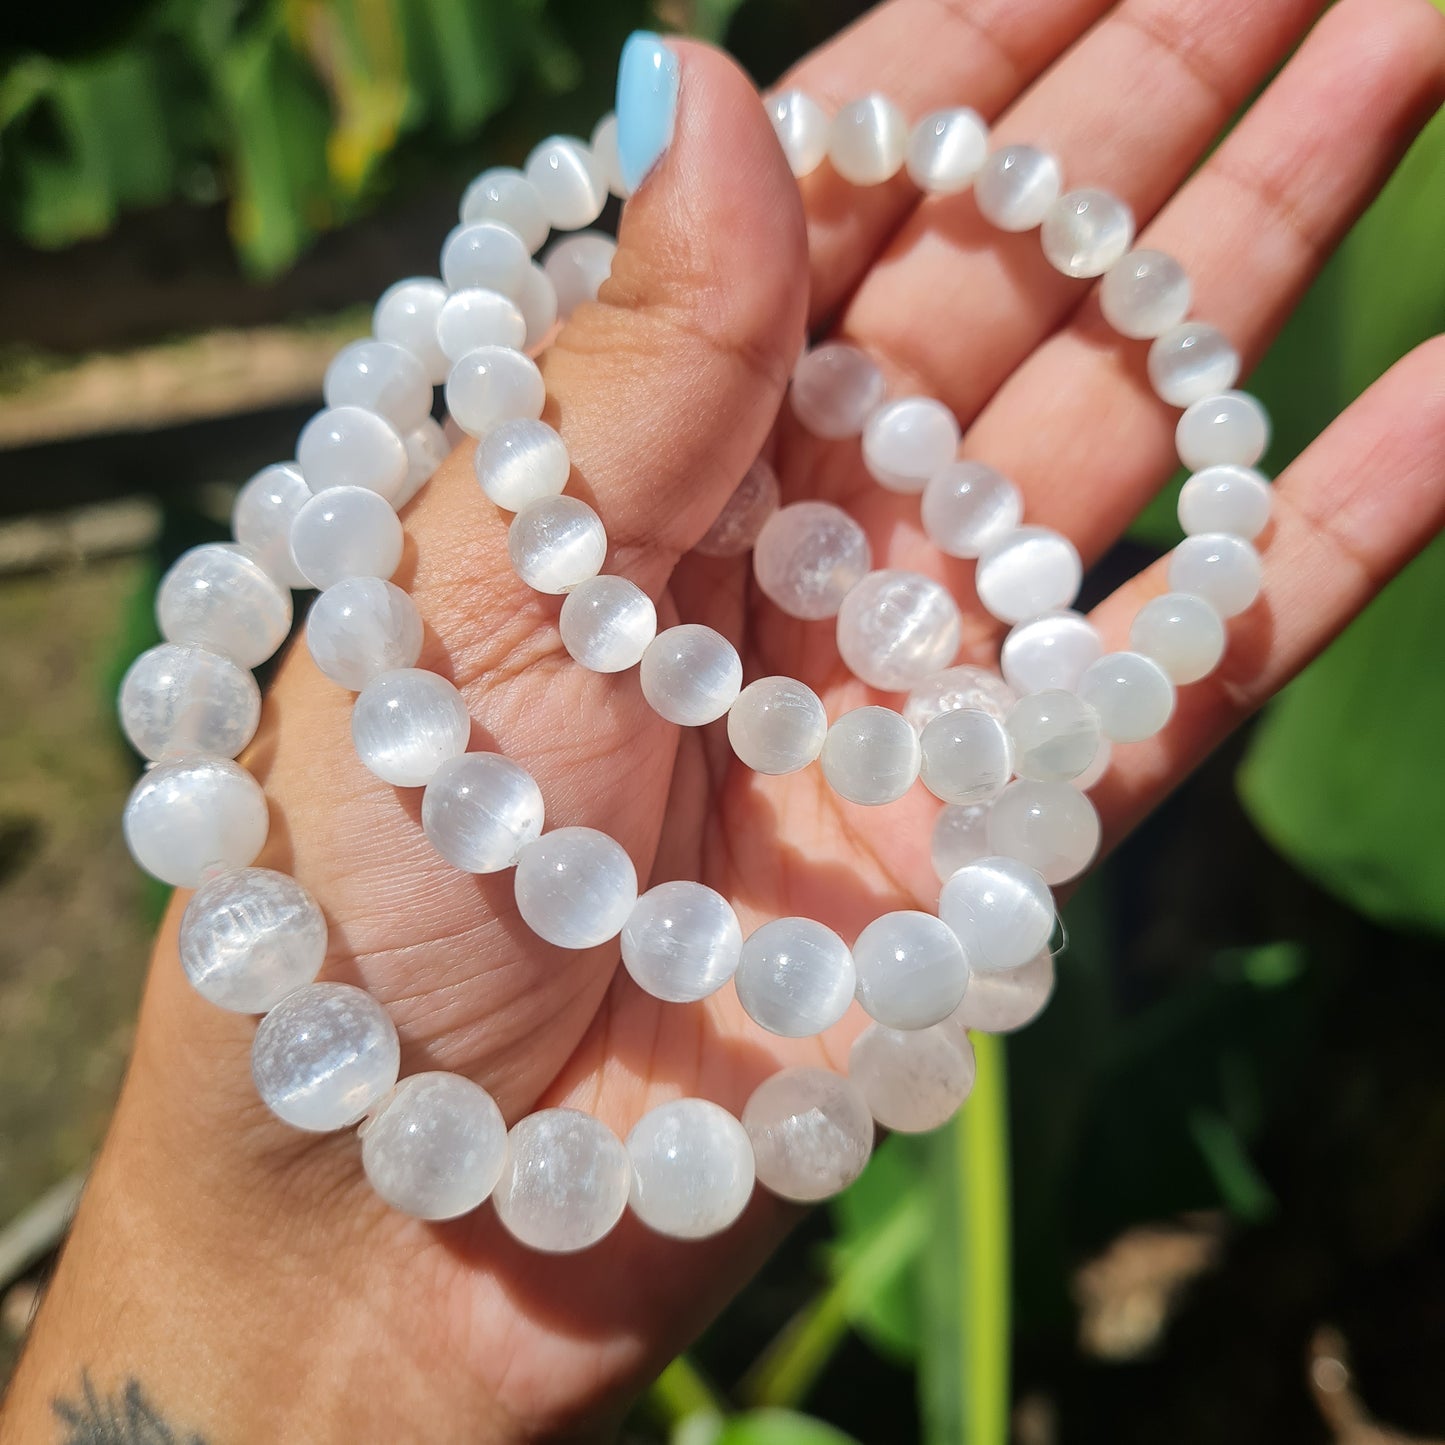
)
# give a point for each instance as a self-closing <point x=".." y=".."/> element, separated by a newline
<point x="779" y="1427"/>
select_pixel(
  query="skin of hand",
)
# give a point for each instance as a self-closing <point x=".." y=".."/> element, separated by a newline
<point x="244" y="1272"/>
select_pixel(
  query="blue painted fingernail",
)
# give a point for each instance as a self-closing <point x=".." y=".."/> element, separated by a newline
<point x="646" y="105"/>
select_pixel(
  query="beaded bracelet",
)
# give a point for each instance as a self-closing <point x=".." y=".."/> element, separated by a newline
<point x="326" y="1055"/>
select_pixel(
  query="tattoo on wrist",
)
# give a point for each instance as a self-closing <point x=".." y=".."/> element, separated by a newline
<point x="126" y="1417"/>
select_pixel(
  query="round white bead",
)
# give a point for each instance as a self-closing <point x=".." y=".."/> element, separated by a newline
<point x="1182" y="633"/>
<point x="179" y="698"/>
<point x="802" y="130"/>
<point x="1225" y="499"/>
<point x="1028" y="571"/>
<point x="406" y="724"/>
<point x="966" y="756"/>
<point x="907" y="441"/>
<point x="690" y="674"/>
<point x="521" y="461"/>
<point x="407" y="315"/>
<point x="577" y="266"/>
<point x="436" y="1147"/>
<point x="738" y="524"/>
<point x="1094" y="773"/>
<point x="565" y="1181"/>
<point x="537" y="301"/>
<point x="681" y="942"/>
<point x="262" y="515"/>
<point x="475" y="317"/>
<point x="249" y="937"/>
<point x="811" y="1133"/>
<point x="568" y="180"/>
<point x="347" y="446"/>
<point x="383" y="377"/>
<point x="807" y="557"/>
<point x="911" y="970"/>
<point x="946" y="150"/>
<point x="607" y="161"/>
<point x="190" y="815"/>
<point x="503" y="194"/>
<point x="1005" y="1000"/>
<point x="960" y="837"/>
<point x="867" y="141"/>
<point x="607" y="623"/>
<point x="1145" y="294"/>
<point x="795" y="977"/>
<point x="361" y="628"/>
<point x="484" y="254"/>
<point x="912" y="1080"/>
<point x="964" y="686"/>
<point x="1055" y="736"/>
<point x="1131" y="693"/>
<point x="896" y="628"/>
<point x="480" y="810"/>
<point x="777" y="725"/>
<point x="221" y="597"/>
<point x="1052" y="827"/>
<point x="1001" y="910"/>
<point x="1086" y="232"/>
<point x="835" y="389"/>
<point x="492" y="385"/>
<point x="1016" y="186"/>
<point x="346" y="532"/>
<point x="324" y="1055"/>
<point x="1223" y="570"/>
<point x="1227" y="430"/>
<point x="555" y="543"/>
<point x="1190" y="362"/>
<point x="968" y="506"/>
<point x="692" y="1169"/>
<point x="426" y="450"/>
<point x="871" y="755"/>
<point x="1050" y="652"/>
<point x="575" y="887"/>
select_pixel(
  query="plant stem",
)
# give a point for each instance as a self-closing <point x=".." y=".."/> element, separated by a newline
<point x="680" y="1392"/>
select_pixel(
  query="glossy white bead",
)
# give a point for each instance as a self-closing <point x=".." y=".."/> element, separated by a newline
<point x="1050" y="652"/>
<point x="738" y="524"/>
<point x="964" y="686"/>
<point x="426" y="449"/>
<point x="868" y="140"/>
<point x="565" y="1182"/>
<point x="406" y="724"/>
<point x="505" y="195"/>
<point x="1231" y="429"/>
<point x="1007" y="999"/>
<point x="435" y="1148"/>
<point x="692" y="1169"/>
<point x="575" y="887"/>
<point x="1001" y="910"/>
<point x="324" y="1055"/>
<point x="1131" y="693"/>
<point x="484" y="254"/>
<point x="1016" y="186"/>
<point x="681" y="942"/>
<point x="690" y="674"/>
<point x="537" y="301"/>
<point x="607" y="623"/>
<point x="802" y="130"/>
<point x="179" y="698"/>
<point x="475" y="317"/>
<point x="521" y="461"/>
<point x="1052" y="827"/>
<point x="568" y="181"/>
<point x="347" y="446"/>
<point x="906" y="441"/>
<point x="189" y="815"/>
<point x="361" y="628"/>
<point x="492" y="385"/>
<point x="1026" y="572"/>
<point x="607" y="162"/>
<point x="836" y="387"/>
<point x="811" y="1133"/>
<point x="221" y="597"/>
<point x="896" y="628"/>
<point x="808" y="556"/>
<point x="407" y="315"/>
<point x="911" y="970"/>
<point x="966" y="756"/>
<point x="1086" y="232"/>
<point x="914" y="1080"/>
<point x="262" y="515"/>
<point x="249" y="937"/>
<point x="346" y="532"/>
<point x="1190" y="362"/>
<point x="577" y="266"/>
<point x="1182" y="633"/>
<point x="871" y="755"/>
<point x="967" y="506"/>
<point x="946" y="149"/>
<point x="777" y="725"/>
<point x="1225" y="499"/>
<point x="555" y="543"/>
<point x="480" y="810"/>
<point x="960" y="837"/>
<point x="795" y="977"/>
<point x="383" y="377"/>
<point x="1223" y="570"/>
<point x="1055" y="736"/>
<point x="1145" y="294"/>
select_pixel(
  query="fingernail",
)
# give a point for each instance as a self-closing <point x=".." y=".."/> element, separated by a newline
<point x="646" y="105"/>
